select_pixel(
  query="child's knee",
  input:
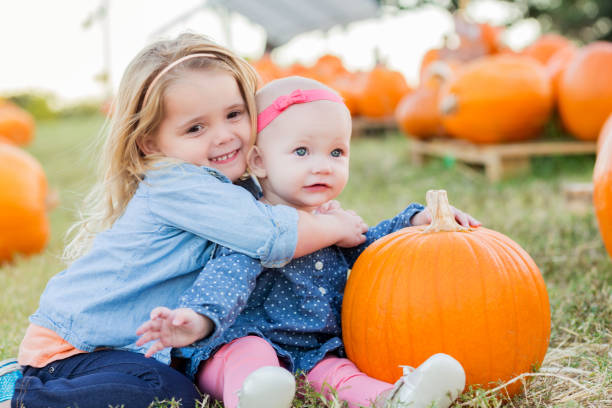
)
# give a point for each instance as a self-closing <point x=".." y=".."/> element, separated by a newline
<point x="254" y="346"/>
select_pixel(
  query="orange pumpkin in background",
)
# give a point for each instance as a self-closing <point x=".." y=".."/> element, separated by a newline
<point x="429" y="57"/>
<point x="267" y="69"/>
<point x="585" y="91"/>
<point x="417" y="114"/>
<point x="16" y="125"/>
<point x="546" y="46"/>
<point x="471" y="293"/>
<point x="380" y="92"/>
<point x="497" y="99"/>
<point x="606" y="131"/>
<point x="556" y="65"/>
<point x="24" y="227"/>
<point x="602" y="185"/>
<point x="349" y="86"/>
<point x="327" y="68"/>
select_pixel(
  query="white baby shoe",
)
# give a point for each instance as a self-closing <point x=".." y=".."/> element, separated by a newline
<point x="435" y="383"/>
<point x="267" y="387"/>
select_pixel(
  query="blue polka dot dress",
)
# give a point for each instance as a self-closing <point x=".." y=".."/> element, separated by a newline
<point x="296" y="308"/>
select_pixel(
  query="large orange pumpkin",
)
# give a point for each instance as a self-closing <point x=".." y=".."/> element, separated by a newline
<point x="471" y="293"/>
<point x="585" y="91"/>
<point x="546" y="46"/>
<point x="381" y="91"/>
<point x="602" y="185"/>
<point x="16" y="125"/>
<point x="497" y="99"/>
<point x="417" y="113"/>
<point x="24" y="227"/>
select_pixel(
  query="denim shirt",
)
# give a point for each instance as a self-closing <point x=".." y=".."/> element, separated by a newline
<point x="296" y="308"/>
<point x="155" y="251"/>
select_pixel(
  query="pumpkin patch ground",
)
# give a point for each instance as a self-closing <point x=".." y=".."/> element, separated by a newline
<point x="531" y="211"/>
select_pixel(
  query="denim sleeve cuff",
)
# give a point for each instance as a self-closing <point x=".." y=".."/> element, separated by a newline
<point x="279" y="250"/>
<point x="217" y="328"/>
<point x="412" y="210"/>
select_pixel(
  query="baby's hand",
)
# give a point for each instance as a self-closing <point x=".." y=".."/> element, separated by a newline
<point x="350" y="226"/>
<point x="464" y="219"/>
<point x="172" y="328"/>
<point x="331" y="205"/>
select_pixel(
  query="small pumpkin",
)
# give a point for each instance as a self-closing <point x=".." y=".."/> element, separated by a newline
<point x="24" y="227"/>
<point x="497" y="99"/>
<point x="327" y="68"/>
<point x="602" y="185"/>
<point x="417" y="114"/>
<point x="471" y="293"/>
<point x="16" y="125"/>
<point x="585" y="91"/>
<point x="546" y="46"/>
<point x="381" y="91"/>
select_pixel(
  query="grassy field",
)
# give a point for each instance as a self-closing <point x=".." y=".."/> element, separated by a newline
<point x="563" y="241"/>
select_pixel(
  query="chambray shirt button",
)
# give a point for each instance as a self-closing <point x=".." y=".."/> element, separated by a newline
<point x="322" y="290"/>
<point x="318" y="265"/>
<point x="51" y="369"/>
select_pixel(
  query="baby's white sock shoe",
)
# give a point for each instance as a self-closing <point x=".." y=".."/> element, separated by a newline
<point x="267" y="387"/>
<point x="435" y="383"/>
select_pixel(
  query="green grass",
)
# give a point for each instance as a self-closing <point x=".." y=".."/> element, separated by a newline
<point x="530" y="209"/>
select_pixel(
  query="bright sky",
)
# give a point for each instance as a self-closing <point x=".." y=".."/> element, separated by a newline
<point x="45" y="46"/>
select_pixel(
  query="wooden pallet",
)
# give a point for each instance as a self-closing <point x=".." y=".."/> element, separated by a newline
<point x="499" y="160"/>
<point x="366" y="126"/>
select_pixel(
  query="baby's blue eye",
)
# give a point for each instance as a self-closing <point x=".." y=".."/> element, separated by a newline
<point x="336" y="153"/>
<point x="301" y="151"/>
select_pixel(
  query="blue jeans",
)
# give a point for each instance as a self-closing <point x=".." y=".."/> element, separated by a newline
<point x="101" y="379"/>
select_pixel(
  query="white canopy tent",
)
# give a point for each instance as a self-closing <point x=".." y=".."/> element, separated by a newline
<point x="284" y="19"/>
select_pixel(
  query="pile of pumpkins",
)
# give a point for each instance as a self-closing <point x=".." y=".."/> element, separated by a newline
<point x="372" y="94"/>
<point x="24" y="226"/>
<point x="498" y="95"/>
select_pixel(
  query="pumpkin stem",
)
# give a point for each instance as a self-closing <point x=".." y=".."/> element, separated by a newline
<point x="448" y="105"/>
<point x="442" y="216"/>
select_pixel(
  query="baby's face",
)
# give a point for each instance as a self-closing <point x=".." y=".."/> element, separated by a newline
<point x="304" y="154"/>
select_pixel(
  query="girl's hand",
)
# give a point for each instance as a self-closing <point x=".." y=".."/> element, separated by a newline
<point x="172" y="328"/>
<point x="462" y="218"/>
<point x="350" y="227"/>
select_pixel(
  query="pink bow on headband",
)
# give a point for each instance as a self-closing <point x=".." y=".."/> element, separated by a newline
<point x="298" y="96"/>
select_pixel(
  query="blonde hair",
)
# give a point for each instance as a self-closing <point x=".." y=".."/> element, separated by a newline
<point x="122" y="164"/>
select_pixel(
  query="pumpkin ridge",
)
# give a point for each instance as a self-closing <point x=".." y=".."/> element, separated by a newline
<point x="499" y="251"/>
<point x="513" y="252"/>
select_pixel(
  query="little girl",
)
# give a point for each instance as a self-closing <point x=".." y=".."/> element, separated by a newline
<point x="251" y="319"/>
<point x="183" y="124"/>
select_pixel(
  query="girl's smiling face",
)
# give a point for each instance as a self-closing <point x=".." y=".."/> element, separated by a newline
<point x="206" y="123"/>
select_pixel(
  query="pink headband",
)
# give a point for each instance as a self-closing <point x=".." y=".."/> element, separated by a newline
<point x="172" y="65"/>
<point x="298" y="96"/>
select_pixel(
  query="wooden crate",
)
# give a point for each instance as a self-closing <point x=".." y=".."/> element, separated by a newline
<point x="363" y="126"/>
<point x="499" y="160"/>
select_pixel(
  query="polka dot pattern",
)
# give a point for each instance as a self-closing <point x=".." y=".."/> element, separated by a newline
<point x="296" y="308"/>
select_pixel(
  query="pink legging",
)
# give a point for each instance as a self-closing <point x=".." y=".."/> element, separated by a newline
<point x="222" y="375"/>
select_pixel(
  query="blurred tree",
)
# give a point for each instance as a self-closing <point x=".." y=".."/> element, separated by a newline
<point x="583" y="20"/>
